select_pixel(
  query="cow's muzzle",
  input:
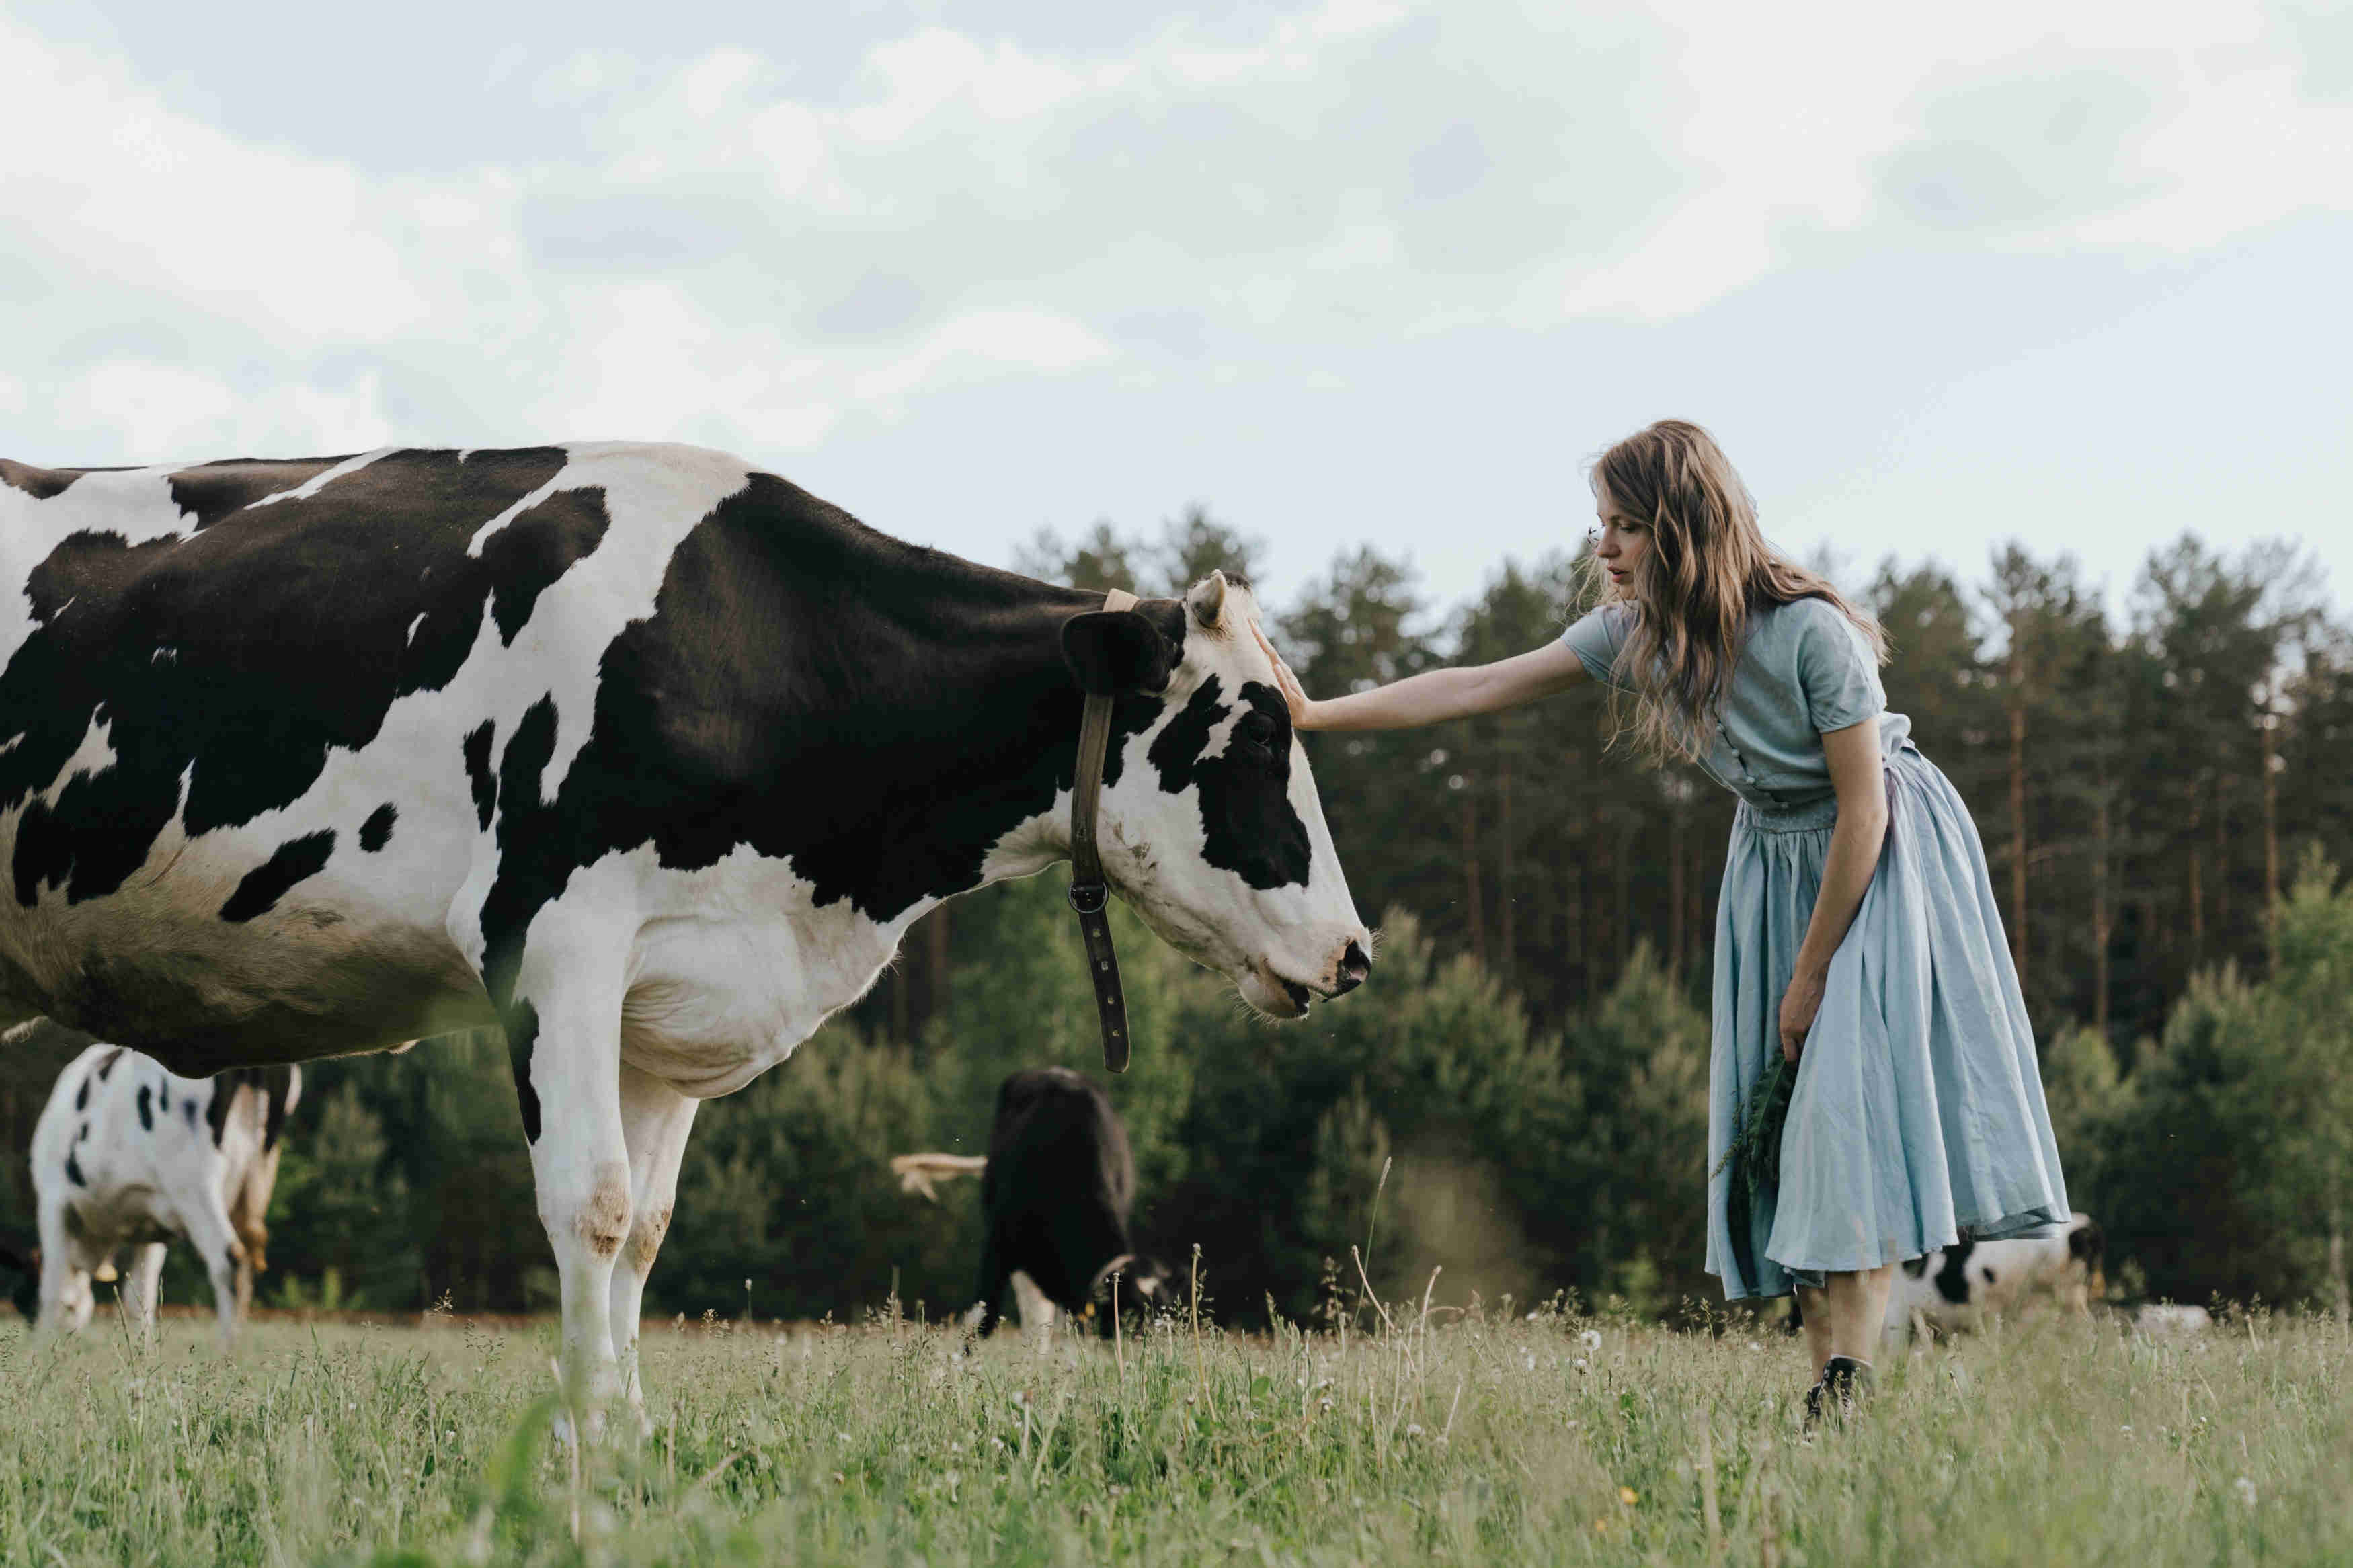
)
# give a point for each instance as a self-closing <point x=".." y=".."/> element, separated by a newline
<point x="1356" y="965"/>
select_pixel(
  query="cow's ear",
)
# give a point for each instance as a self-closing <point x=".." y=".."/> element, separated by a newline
<point x="1111" y="651"/>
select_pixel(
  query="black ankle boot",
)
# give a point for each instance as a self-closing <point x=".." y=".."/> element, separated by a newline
<point x="1843" y="1384"/>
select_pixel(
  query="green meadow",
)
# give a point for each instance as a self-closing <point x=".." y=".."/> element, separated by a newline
<point x="1480" y="1438"/>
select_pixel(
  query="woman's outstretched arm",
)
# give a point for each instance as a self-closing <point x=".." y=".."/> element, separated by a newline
<point x="1436" y="697"/>
<point x="1858" y="776"/>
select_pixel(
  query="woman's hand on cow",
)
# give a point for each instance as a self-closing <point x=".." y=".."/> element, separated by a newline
<point x="1799" y="1004"/>
<point x="1294" y="696"/>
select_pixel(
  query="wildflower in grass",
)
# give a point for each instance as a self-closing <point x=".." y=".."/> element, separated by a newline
<point x="1629" y="1496"/>
<point x="2246" y="1490"/>
<point x="1591" y="1338"/>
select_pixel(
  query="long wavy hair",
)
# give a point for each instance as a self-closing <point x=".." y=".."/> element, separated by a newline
<point x="1708" y="569"/>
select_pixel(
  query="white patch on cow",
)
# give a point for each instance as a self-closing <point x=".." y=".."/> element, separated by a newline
<point x="731" y="967"/>
<point x="321" y="479"/>
<point x="654" y="496"/>
<point x="94" y="755"/>
<point x="413" y="625"/>
<point x="134" y="506"/>
<point x="560" y="482"/>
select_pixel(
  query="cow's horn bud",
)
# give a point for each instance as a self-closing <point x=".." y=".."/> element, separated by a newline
<point x="1208" y="599"/>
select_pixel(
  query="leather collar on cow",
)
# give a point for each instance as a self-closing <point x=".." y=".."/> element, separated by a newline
<point x="1089" y="897"/>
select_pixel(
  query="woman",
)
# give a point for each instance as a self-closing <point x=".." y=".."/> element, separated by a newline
<point x="1856" y="931"/>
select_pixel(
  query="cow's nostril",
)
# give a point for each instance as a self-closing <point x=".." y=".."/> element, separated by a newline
<point x="1354" y="967"/>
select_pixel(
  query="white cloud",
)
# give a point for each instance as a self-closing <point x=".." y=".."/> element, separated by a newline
<point x="742" y="259"/>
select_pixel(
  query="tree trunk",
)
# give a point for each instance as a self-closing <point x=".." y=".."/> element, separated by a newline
<point x="2197" y="881"/>
<point x="1473" y="903"/>
<point x="2102" y="923"/>
<point x="1507" y="940"/>
<point x="2270" y="803"/>
<point x="2337" y="1286"/>
<point x="2017" y="803"/>
<point x="1675" y="887"/>
<point x="1620" y="863"/>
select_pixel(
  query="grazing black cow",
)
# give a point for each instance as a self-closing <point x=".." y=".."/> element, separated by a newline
<point x="1055" y="1192"/>
<point x="645" y="755"/>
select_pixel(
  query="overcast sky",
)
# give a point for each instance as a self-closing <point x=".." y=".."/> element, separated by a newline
<point x="1359" y="271"/>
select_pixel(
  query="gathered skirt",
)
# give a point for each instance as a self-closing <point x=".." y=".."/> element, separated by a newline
<point x="1918" y="1107"/>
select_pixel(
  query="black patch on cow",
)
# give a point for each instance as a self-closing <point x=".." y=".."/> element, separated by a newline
<point x="290" y="627"/>
<point x="279" y="1083"/>
<point x="163" y="1096"/>
<point x="213" y="491"/>
<point x="1953" y="1278"/>
<point x="522" y="1034"/>
<point x="1246" y="816"/>
<point x="290" y="863"/>
<point x="1111" y="651"/>
<point x="146" y="1108"/>
<point x="81" y="1096"/>
<point x="529" y="554"/>
<point x="41" y="484"/>
<point x="73" y="1170"/>
<point x="479" y="777"/>
<point x="1915" y="1267"/>
<point x="188" y="1110"/>
<point x="376" y="831"/>
<point x="106" y="1063"/>
<point x="224" y="1088"/>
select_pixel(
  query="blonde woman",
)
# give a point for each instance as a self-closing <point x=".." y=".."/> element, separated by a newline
<point x="1857" y="935"/>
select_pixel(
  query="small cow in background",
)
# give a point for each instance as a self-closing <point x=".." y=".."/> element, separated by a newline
<point x="1961" y="1285"/>
<point x="1055" y="1192"/>
<point x="128" y="1154"/>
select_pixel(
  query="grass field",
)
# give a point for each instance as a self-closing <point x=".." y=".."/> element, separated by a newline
<point x="1503" y="1440"/>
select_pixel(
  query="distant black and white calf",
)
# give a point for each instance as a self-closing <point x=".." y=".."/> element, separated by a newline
<point x="1960" y="1286"/>
<point x="1055" y="1190"/>
<point x="128" y="1154"/>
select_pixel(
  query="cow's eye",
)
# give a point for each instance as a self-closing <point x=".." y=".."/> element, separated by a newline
<point x="1258" y="732"/>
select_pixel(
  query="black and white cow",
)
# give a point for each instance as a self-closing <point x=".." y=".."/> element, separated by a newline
<point x="1959" y="1286"/>
<point x="129" y="1154"/>
<point x="1056" y="1188"/>
<point x="643" y="754"/>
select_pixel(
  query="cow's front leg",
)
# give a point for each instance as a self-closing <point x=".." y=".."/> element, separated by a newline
<point x="66" y="1264"/>
<point x="215" y="1240"/>
<point x="142" y="1284"/>
<point x="655" y="1120"/>
<point x="563" y="1037"/>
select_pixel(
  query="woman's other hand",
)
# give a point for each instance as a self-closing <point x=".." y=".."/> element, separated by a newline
<point x="1294" y="696"/>
<point x="1798" y="1005"/>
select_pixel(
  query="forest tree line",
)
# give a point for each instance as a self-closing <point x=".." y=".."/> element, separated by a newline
<point x="2162" y="796"/>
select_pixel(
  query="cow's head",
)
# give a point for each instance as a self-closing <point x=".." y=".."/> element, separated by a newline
<point x="1132" y="1287"/>
<point x="1209" y="823"/>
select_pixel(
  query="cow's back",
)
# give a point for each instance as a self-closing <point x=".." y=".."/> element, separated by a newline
<point x="253" y="716"/>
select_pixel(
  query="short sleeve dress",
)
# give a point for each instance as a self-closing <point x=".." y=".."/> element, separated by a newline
<point x="1918" y="1107"/>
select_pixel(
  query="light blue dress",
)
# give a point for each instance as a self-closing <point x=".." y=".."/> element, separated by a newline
<point x="1918" y="1107"/>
